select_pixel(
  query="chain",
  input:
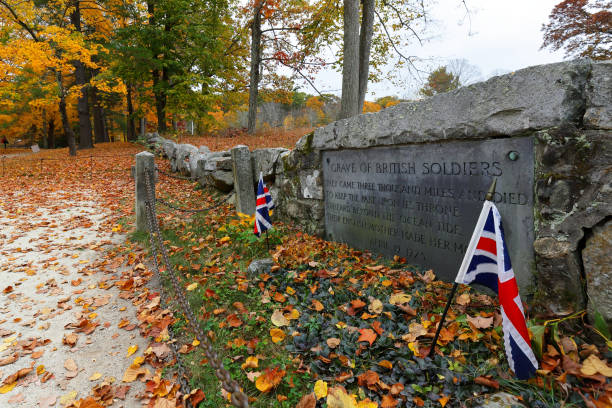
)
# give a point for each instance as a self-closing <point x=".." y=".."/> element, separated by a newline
<point x="174" y="207"/>
<point x="182" y="377"/>
<point x="165" y="173"/>
<point x="238" y="397"/>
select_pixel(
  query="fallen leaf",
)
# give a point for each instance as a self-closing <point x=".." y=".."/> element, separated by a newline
<point x="375" y="306"/>
<point x="486" y="382"/>
<point x="367" y="335"/>
<point x="307" y="401"/>
<point x="463" y="299"/>
<point x="68" y="398"/>
<point x="399" y="298"/>
<point x="318" y="306"/>
<point x="480" y="322"/>
<point x="269" y="379"/>
<point x="320" y="389"/>
<point x="332" y="343"/>
<point x="593" y="365"/>
<point x="132" y="349"/>
<point x="251" y="362"/>
<point x="278" y="319"/>
<point x="277" y="335"/>
<point x="192" y="286"/>
<point x="95" y="376"/>
<point x="70" y="365"/>
<point x="337" y="397"/>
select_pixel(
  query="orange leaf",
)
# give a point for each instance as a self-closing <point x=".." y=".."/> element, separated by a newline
<point x="234" y="321"/>
<point x="388" y="402"/>
<point x="269" y="379"/>
<point x="367" y="335"/>
<point x="357" y="304"/>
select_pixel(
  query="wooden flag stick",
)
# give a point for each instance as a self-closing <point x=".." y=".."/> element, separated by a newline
<point x="488" y="197"/>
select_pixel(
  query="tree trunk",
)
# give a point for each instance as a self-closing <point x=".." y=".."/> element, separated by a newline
<point x="349" y="103"/>
<point x="43" y="132"/>
<point x="160" y="80"/>
<point x="254" y="74"/>
<point x="51" y="134"/>
<point x="365" y="43"/>
<point x="131" y="126"/>
<point x="98" y="123"/>
<point x="62" y="108"/>
<point x="80" y="74"/>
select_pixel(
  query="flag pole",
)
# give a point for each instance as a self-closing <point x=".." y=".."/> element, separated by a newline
<point x="267" y="241"/>
<point x="488" y="197"/>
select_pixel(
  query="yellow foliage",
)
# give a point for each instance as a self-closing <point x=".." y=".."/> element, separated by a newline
<point x="369" y="107"/>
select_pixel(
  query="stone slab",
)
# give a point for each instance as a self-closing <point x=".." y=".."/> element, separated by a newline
<point x="243" y="179"/>
<point x="422" y="201"/>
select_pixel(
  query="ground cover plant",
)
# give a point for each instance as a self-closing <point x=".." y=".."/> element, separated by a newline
<point x="331" y="326"/>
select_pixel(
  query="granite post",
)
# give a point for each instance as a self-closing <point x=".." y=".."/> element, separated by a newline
<point x="144" y="162"/>
<point x="243" y="179"/>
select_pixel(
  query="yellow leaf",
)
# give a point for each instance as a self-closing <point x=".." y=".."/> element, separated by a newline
<point x="278" y="319"/>
<point x="375" y="306"/>
<point x="68" y="399"/>
<point x="337" y="397"/>
<point x="341" y="325"/>
<point x="224" y="239"/>
<point x="399" y="298"/>
<point x="132" y="349"/>
<point x="195" y="343"/>
<point x="277" y="335"/>
<point x="290" y="290"/>
<point x="367" y="403"/>
<point x="251" y="362"/>
<point x="320" y="389"/>
<point x="593" y="365"/>
<point x="95" y="376"/>
<point x="293" y="314"/>
<point x="443" y="400"/>
<point x="192" y="286"/>
<point x="131" y="374"/>
<point x="137" y="362"/>
<point x="386" y="283"/>
<point x="7" y="387"/>
<point x="40" y="369"/>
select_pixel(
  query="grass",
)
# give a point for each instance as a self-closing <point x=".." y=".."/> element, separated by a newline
<point x="221" y="269"/>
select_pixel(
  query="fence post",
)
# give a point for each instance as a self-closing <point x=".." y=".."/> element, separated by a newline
<point x="243" y="180"/>
<point x="144" y="162"/>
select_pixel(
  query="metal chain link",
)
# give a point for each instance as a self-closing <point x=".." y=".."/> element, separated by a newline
<point x="197" y="210"/>
<point x="238" y="397"/>
<point x="182" y="376"/>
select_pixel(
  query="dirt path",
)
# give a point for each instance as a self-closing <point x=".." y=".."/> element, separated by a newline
<point x="60" y="307"/>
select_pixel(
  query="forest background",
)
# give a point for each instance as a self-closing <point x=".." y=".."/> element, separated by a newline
<point x="79" y="72"/>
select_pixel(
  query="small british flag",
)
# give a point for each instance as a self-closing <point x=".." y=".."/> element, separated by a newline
<point x="263" y="205"/>
<point x="487" y="262"/>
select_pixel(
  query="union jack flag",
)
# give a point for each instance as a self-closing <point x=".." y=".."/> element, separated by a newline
<point x="487" y="262"/>
<point x="263" y="205"/>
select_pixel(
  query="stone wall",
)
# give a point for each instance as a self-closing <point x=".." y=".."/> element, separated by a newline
<point x="565" y="107"/>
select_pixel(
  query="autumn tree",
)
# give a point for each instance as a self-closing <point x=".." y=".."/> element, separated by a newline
<point x="439" y="81"/>
<point x="386" y="27"/>
<point x="283" y="33"/>
<point x="582" y="27"/>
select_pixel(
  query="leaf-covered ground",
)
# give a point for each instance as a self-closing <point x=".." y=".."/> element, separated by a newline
<point x="325" y="326"/>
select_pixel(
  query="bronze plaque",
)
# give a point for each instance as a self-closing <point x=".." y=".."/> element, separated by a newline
<point x="421" y="202"/>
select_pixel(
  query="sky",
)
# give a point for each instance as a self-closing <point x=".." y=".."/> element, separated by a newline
<point x="497" y="37"/>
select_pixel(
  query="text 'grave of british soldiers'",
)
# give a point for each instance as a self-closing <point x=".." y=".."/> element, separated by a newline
<point x="422" y="201"/>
